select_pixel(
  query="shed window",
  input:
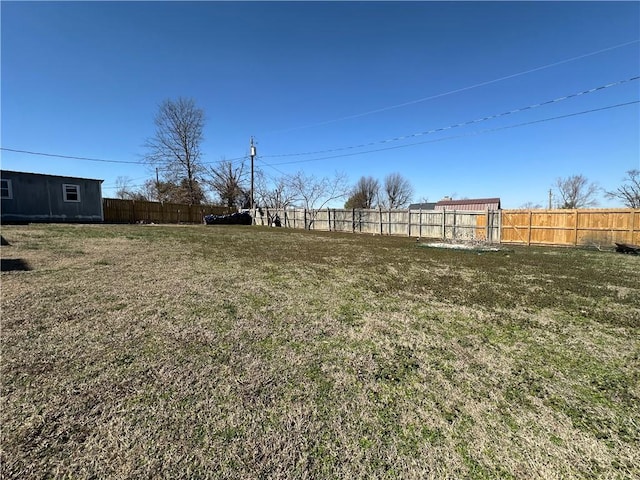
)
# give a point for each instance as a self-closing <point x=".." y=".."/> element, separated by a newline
<point x="5" y="188"/>
<point x="71" y="193"/>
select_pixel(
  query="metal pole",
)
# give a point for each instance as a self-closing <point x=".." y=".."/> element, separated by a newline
<point x="253" y="154"/>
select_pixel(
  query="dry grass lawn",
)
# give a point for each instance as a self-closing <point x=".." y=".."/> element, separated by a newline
<point x="247" y="352"/>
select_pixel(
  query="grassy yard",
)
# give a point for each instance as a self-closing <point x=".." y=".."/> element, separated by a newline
<point x="247" y="352"/>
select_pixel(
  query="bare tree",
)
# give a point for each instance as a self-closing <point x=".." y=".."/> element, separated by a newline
<point x="398" y="191"/>
<point x="576" y="192"/>
<point x="176" y="143"/>
<point x="277" y="195"/>
<point x="124" y="190"/>
<point x="314" y="193"/>
<point x="229" y="182"/>
<point x="364" y="193"/>
<point x="150" y="190"/>
<point x="628" y="192"/>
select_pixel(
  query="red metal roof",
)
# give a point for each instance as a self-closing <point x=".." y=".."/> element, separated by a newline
<point x="469" y="204"/>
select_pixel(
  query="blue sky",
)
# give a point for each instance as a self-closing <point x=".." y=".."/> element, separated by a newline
<point x="85" y="79"/>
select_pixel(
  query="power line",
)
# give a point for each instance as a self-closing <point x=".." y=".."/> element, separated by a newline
<point x="458" y="90"/>
<point x="70" y="156"/>
<point x="103" y="160"/>
<point x="272" y="167"/>
<point x="459" y="136"/>
<point x="463" y="124"/>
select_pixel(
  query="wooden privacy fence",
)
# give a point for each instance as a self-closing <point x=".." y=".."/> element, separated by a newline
<point x="571" y="227"/>
<point x="600" y="227"/>
<point x="138" y="211"/>
<point x="459" y="225"/>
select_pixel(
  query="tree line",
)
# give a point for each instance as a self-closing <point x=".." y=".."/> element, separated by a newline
<point x="182" y="177"/>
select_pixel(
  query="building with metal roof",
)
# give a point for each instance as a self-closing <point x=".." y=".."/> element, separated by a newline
<point x="470" y="204"/>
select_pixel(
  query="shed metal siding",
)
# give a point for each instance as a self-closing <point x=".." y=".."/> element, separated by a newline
<point x="40" y="198"/>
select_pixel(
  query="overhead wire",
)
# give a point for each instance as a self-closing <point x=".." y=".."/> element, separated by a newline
<point x="44" y="154"/>
<point x="608" y="107"/>
<point x="462" y="124"/>
<point x="403" y="137"/>
<point x="458" y="90"/>
<point x="103" y="160"/>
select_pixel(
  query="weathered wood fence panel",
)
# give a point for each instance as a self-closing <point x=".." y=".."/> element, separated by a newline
<point x="571" y="227"/>
<point x="526" y="227"/>
<point x="438" y="224"/>
<point x="138" y="211"/>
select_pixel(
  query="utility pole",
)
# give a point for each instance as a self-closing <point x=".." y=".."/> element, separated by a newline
<point x="252" y="150"/>
<point x="550" y="197"/>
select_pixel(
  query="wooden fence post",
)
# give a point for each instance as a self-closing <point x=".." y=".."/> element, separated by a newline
<point x="632" y="226"/>
<point x="420" y="223"/>
<point x="444" y="223"/>
<point x="453" y="230"/>
<point x="380" y="212"/>
<point x="575" y="230"/>
<point x="529" y="229"/>
<point x="408" y="222"/>
<point x="486" y="229"/>
<point x="329" y="218"/>
<point x="353" y="220"/>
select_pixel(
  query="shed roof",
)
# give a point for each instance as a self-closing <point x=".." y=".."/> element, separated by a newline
<point x="48" y="175"/>
<point x="470" y="204"/>
<point x="423" y="206"/>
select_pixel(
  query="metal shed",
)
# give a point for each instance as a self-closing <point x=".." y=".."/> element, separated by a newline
<point x="35" y="197"/>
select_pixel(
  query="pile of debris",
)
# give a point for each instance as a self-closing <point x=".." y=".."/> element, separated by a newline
<point x="241" y="218"/>
<point x="627" y="248"/>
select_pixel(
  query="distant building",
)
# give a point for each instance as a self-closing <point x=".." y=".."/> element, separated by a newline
<point x="34" y="197"/>
<point x="472" y="204"/>
<point x="423" y="206"/>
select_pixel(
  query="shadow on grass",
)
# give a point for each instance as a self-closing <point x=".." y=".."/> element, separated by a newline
<point x="14" y="264"/>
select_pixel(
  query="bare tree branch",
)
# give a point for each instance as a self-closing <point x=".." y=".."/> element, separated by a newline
<point x="628" y="192"/>
<point x="277" y="195"/>
<point x="123" y="187"/>
<point x="576" y="192"/>
<point x="229" y="182"/>
<point x="176" y="143"/>
<point x="398" y="190"/>
<point x="364" y="194"/>
<point x="315" y="193"/>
